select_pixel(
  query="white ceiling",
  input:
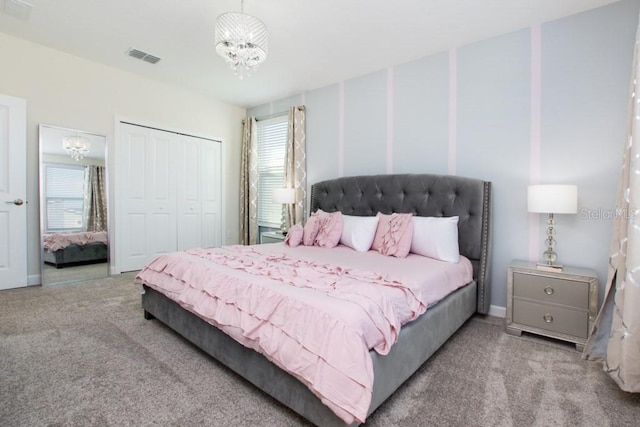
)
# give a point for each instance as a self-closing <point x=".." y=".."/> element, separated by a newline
<point x="311" y="43"/>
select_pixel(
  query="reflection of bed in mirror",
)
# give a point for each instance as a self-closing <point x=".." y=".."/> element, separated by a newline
<point x="71" y="249"/>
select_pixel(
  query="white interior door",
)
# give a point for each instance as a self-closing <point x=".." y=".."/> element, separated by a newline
<point x="211" y="178"/>
<point x="189" y="194"/>
<point x="198" y="193"/>
<point x="132" y="241"/>
<point x="13" y="189"/>
<point x="161" y="194"/>
<point x="148" y="219"/>
<point x="168" y="190"/>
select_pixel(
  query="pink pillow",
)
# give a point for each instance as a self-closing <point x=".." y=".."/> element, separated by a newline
<point x="312" y="227"/>
<point x="294" y="236"/>
<point x="394" y="234"/>
<point x="330" y="230"/>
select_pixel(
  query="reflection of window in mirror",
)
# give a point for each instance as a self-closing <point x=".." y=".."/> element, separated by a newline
<point x="64" y="194"/>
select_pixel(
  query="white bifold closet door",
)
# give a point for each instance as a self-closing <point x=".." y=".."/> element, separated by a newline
<point x="198" y="194"/>
<point x="169" y="195"/>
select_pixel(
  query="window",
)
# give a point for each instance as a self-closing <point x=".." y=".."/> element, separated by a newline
<point x="64" y="195"/>
<point x="272" y="146"/>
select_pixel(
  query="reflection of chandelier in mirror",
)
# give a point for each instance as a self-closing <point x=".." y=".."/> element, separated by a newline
<point x="241" y="40"/>
<point x="76" y="146"/>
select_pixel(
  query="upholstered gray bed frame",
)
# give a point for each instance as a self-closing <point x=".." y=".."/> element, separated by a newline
<point x="421" y="194"/>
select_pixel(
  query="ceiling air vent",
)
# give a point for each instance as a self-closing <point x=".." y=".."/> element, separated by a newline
<point x="138" y="54"/>
<point x="151" y="59"/>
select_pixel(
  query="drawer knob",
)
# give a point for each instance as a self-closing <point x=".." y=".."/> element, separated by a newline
<point x="548" y="318"/>
<point x="549" y="290"/>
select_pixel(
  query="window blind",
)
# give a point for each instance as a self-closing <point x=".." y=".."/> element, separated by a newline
<point x="272" y="145"/>
<point x="64" y="189"/>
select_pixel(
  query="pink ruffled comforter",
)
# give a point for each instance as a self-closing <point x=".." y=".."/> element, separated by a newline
<point x="315" y="320"/>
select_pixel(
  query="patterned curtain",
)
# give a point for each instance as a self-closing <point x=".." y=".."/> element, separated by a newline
<point x="616" y="337"/>
<point x="249" y="183"/>
<point x="95" y="205"/>
<point x="295" y="172"/>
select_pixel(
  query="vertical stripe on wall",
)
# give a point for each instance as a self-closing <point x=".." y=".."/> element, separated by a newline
<point x="271" y="107"/>
<point x="341" y="129"/>
<point x="535" y="141"/>
<point x="390" y="120"/>
<point x="453" y="108"/>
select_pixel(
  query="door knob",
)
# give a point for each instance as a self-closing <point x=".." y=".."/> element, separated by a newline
<point x="17" y="202"/>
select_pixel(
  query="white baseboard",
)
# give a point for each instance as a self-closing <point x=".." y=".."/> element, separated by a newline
<point x="33" y="280"/>
<point x="497" y="311"/>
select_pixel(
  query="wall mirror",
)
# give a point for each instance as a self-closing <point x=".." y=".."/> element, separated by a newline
<point x="73" y="205"/>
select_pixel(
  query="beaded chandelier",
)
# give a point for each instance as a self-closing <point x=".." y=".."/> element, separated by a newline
<point x="241" y="40"/>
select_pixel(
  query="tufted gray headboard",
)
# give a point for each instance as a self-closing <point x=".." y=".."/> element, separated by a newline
<point x="423" y="195"/>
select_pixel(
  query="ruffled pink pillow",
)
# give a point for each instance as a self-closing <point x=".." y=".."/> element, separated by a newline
<point x="330" y="230"/>
<point x="394" y="234"/>
<point x="294" y="236"/>
<point x="312" y="227"/>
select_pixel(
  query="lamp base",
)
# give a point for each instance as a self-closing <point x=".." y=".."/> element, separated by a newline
<point x="549" y="267"/>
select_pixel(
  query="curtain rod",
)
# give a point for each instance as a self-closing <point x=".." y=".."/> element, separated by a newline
<point x="271" y="116"/>
<point x="282" y="113"/>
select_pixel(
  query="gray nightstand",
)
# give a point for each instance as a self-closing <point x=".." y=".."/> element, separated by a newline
<point x="271" y="237"/>
<point x="558" y="304"/>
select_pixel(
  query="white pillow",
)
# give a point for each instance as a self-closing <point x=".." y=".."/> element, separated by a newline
<point x="436" y="237"/>
<point x="358" y="231"/>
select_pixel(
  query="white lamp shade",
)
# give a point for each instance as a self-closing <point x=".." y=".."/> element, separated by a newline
<point x="556" y="199"/>
<point x="284" y="195"/>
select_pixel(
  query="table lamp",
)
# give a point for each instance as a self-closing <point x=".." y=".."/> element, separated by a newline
<point x="284" y="196"/>
<point x="552" y="199"/>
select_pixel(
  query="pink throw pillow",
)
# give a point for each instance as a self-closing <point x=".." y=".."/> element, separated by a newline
<point x="394" y="234"/>
<point x="294" y="236"/>
<point x="312" y="227"/>
<point x="330" y="230"/>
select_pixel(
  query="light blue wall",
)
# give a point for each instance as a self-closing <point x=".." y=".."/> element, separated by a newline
<point x="493" y="139"/>
<point x="586" y="73"/>
<point x="585" y="62"/>
<point x="365" y="130"/>
<point x="324" y="131"/>
<point x="421" y="99"/>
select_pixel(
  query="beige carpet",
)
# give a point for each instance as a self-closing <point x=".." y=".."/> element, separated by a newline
<point x="82" y="354"/>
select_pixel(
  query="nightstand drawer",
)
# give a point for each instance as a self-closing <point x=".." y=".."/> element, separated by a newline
<point x="551" y="318"/>
<point x="551" y="290"/>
